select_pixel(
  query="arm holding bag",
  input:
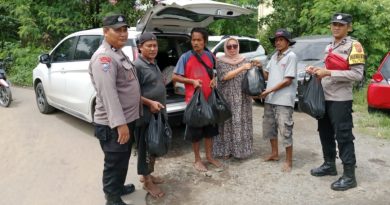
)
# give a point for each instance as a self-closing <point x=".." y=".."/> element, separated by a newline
<point x="312" y="98"/>
<point x="159" y="135"/>
<point x="220" y="107"/>
<point x="198" y="113"/>
<point x="253" y="83"/>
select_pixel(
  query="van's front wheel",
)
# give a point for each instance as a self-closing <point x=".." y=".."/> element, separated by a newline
<point x="42" y="103"/>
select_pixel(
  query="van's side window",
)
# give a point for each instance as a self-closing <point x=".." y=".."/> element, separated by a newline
<point x="244" y="46"/>
<point x="64" y="52"/>
<point x="86" y="46"/>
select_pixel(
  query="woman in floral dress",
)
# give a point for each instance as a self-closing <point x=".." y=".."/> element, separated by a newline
<point x="235" y="137"/>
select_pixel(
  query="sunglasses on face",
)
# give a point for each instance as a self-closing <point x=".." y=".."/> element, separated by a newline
<point x="232" y="46"/>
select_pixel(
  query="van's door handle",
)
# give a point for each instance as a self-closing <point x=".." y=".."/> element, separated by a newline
<point x="63" y="70"/>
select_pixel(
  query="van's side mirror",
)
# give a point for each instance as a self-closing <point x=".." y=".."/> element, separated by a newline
<point x="45" y="59"/>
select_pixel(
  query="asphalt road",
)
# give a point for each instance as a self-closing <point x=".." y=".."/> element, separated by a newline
<point x="50" y="159"/>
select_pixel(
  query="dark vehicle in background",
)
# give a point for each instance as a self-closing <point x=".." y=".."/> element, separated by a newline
<point x="310" y="50"/>
<point x="378" y="91"/>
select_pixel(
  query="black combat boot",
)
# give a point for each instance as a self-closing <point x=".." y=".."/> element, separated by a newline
<point x="114" y="200"/>
<point x="127" y="189"/>
<point x="347" y="181"/>
<point x="327" y="168"/>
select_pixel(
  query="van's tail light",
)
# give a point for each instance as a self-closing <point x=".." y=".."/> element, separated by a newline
<point x="377" y="77"/>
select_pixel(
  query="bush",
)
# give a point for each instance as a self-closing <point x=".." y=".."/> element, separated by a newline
<point x="24" y="61"/>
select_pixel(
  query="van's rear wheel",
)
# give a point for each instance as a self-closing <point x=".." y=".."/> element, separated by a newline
<point x="42" y="103"/>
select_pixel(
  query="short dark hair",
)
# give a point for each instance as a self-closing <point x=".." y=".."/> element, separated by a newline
<point x="202" y="31"/>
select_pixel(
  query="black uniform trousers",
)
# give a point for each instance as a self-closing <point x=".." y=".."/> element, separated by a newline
<point x="116" y="158"/>
<point x="337" y="126"/>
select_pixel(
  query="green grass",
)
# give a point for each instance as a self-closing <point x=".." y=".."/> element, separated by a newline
<point x="375" y="123"/>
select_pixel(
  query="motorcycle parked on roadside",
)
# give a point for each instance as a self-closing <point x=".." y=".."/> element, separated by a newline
<point x="5" y="90"/>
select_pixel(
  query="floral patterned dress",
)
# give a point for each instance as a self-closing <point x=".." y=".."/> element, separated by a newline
<point x="236" y="134"/>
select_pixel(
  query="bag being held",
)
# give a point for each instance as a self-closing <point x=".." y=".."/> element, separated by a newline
<point x="198" y="113"/>
<point x="159" y="135"/>
<point x="311" y="97"/>
<point x="220" y="107"/>
<point x="253" y="83"/>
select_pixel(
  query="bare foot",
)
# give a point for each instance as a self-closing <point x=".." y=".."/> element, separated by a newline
<point x="153" y="190"/>
<point x="286" y="167"/>
<point x="198" y="165"/>
<point x="155" y="180"/>
<point x="272" y="157"/>
<point x="214" y="162"/>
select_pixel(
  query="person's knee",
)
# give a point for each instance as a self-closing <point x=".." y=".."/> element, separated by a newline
<point x="344" y="132"/>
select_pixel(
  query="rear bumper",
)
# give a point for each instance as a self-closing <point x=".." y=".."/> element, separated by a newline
<point x="177" y="107"/>
<point x="175" y="113"/>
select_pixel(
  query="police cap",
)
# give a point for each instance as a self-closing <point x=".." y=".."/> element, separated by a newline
<point x="115" y="21"/>
<point x="342" y="18"/>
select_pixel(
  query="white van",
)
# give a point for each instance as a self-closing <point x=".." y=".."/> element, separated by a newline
<point x="61" y="79"/>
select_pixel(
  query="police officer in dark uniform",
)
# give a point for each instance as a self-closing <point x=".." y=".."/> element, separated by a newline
<point x="344" y="64"/>
<point x="117" y="106"/>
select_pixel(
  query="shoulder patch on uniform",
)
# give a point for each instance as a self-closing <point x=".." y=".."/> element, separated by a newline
<point x="357" y="54"/>
<point x="105" y="59"/>
<point x="105" y="62"/>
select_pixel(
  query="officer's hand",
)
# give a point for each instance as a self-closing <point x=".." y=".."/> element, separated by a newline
<point x="123" y="134"/>
<point x="155" y="107"/>
<point x="320" y="73"/>
<point x="197" y="83"/>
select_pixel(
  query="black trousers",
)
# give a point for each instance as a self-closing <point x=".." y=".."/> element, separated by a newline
<point x="337" y="126"/>
<point x="116" y="158"/>
<point x="145" y="162"/>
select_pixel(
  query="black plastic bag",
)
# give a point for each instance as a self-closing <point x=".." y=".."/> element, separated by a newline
<point x="159" y="135"/>
<point x="198" y="112"/>
<point x="220" y="107"/>
<point x="253" y="83"/>
<point x="311" y="97"/>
